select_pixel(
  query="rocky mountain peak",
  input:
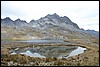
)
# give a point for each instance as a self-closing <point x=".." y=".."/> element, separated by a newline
<point x="53" y="19"/>
<point x="53" y="16"/>
<point x="56" y="15"/>
<point x="50" y="24"/>
<point x="31" y="23"/>
<point x="18" y="19"/>
<point x="7" y="22"/>
<point x="50" y="19"/>
<point x="32" y="20"/>
<point x="7" y="19"/>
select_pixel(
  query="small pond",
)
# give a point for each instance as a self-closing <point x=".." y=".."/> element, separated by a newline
<point x="50" y="51"/>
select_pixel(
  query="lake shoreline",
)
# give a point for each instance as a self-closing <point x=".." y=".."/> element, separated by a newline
<point x="91" y="55"/>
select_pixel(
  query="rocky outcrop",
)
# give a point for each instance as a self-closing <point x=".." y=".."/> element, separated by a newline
<point x="54" y="26"/>
<point x="51" y="20"/>
<point x="93" y="33"/>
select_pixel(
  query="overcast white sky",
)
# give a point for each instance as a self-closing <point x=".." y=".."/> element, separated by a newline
<point x="83" y="13"/>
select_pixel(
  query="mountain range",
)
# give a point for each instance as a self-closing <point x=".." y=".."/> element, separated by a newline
<point x="49" y="27"/>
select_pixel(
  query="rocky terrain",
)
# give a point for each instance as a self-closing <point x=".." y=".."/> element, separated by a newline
<point x="93" y="33"/>
<point x="89" y="58"/>
<point x="50" y="27"/>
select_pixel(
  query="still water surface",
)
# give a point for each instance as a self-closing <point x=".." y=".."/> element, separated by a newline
<point x="73" y="52"/>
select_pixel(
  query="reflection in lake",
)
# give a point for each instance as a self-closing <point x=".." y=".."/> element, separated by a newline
<point x="28" y="53"/>
<point x="79" y="50"/>
<point x="50" y="51"/>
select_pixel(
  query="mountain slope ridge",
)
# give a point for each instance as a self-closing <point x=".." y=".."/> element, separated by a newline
<point x="48" y="27"/>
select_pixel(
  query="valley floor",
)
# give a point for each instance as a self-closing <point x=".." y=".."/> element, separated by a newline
<point x="89" y="58"/>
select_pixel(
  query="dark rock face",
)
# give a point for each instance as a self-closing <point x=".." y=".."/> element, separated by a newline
<point x="93" y="32"/>
<point x="32" y="22"/>
<point x="10" y="23"/>
<point x="20" y="23"/>
<point x="53" y="20"/>
<point x="42" y="22"/>
<point x="7" y="22"/>
<point x="55" y="26"/>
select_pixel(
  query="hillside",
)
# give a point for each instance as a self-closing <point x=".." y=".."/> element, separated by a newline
<point x="48" y="27"/>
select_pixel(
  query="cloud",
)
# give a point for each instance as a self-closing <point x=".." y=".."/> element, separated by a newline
<point x="80" y="12"/>
<point x="10" y="9"/>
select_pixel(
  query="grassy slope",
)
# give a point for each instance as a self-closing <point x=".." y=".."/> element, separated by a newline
<point x="88" y="58"/>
